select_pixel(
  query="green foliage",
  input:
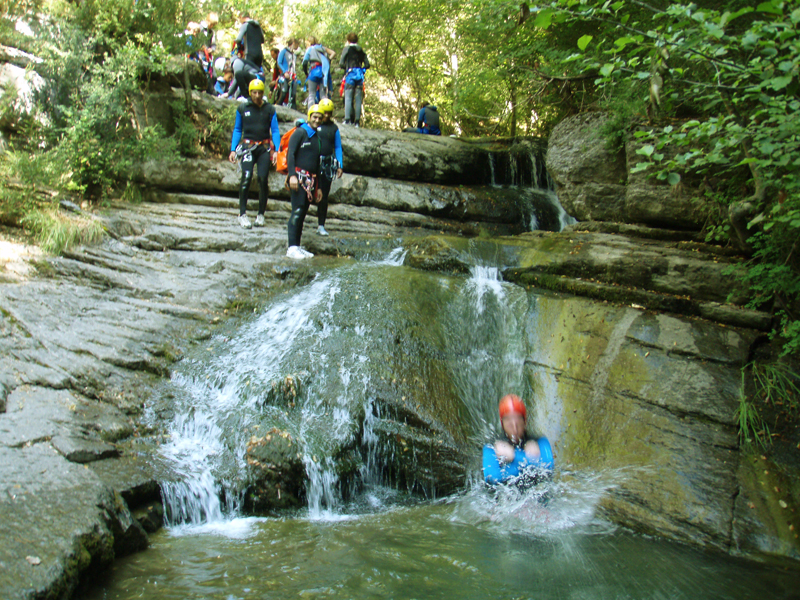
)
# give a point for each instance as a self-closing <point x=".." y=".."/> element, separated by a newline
<point x="85" y="138"/>
<point x="752" y="429"/>
<point x="56" y="232"/>
<point x="734" y="73"/>
<point x="778" y="385"/>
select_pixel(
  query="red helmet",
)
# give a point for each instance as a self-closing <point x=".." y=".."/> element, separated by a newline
<point x="511" y="403"/>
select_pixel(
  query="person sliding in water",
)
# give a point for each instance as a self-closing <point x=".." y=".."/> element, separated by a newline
<point x="509" y="459"/>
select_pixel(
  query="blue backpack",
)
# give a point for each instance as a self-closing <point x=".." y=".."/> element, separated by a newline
<point x="355" y="75"/>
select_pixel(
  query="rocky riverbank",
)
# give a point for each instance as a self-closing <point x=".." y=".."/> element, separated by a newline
<point x="653" y="354"/>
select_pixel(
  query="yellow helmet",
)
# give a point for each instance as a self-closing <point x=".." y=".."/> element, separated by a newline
<point x="312" y="110"/>
<point x="326" y="105"/>
<point x="256" y="84"/>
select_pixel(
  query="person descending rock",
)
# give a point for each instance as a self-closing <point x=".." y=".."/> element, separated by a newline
<point x="354" y="61"/>
<point x="508" y="459"/>
<point x="287" y="63"/>
<point x="330" y="160"/>
<point x="427" y="121"/>
<point x="302" y="160"/>
<point x="250" y="39"/>
<point x="317" y="67"/>
<point x="244" y="72"/>
<point x="256" y="126"/>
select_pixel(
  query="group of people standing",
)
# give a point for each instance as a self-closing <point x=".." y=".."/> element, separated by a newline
<point x="313" y="156"/>
<point x="230" y="77"/>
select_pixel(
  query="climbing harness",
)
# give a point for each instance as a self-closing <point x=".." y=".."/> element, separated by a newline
<point x="328" y="166"/>
<point x="307" y="181"/>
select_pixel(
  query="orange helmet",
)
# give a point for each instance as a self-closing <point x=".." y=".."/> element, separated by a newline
<point x="511" y="403"/>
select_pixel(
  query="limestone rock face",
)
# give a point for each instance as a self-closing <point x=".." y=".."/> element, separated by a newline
<point x="590" y="180"/>
<point x="596" y="184"/>
<point x="656" y="203"/>
<point x="22" y="84"/>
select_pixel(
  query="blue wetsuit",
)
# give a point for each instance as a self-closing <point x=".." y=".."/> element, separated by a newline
<point x="495" y="472"/>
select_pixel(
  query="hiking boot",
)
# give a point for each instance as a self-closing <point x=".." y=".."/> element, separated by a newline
<point x="259" y="221"/>
<point x="306" y="253"/>
<point x="357" y="124"/>
<point x="244" y="222"/>
<point x="321" y="230"/>
<point x="295" y="252"/>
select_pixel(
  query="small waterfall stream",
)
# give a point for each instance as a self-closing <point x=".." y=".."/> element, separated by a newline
<point x="522" y="167"/>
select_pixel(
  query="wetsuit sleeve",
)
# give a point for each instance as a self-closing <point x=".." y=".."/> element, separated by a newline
<point x="283" y="63"/>
<point x="421" y="117"/>
<point x="337" y="149"/>
<point x="240" y="38"/>
<point x="342" y="58"/>
<point x="306" y="58"/>
<point x="492" y="473"/>
<point x="366" y="61"/>
<point x="237" y="132"/>
<point x="276" y="133"/>
<point x="294" y="144"/>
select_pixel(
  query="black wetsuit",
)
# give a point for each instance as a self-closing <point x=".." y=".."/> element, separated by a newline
<point x="302" y="160"/>
<point x="251" y="37"/>
<point x="330" y="162"/>
<point x="255" y="127"/>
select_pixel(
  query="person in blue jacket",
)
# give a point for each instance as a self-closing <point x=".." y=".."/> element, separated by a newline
<point x="256" y="140"/>
<point x="509" y="458"/>
<point x="317" y="67"/>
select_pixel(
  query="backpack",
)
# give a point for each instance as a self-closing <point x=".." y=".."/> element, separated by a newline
<point x="355" y="75"/>
<point x="282" y="165"/>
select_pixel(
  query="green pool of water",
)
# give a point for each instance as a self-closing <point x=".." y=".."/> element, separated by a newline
<point x="468" y="547"/>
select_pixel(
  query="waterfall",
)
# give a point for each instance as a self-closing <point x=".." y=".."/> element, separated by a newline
<point x="307" y="368"/>
<point x="522" y="168"/>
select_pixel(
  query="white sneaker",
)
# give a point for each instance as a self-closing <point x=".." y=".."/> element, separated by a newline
<point x="259" y="221"/>
<point x="306" y="253"/>
<point x="321" y="230"/>
<point x="295" y="252"/>
<point x="244" y="222"/>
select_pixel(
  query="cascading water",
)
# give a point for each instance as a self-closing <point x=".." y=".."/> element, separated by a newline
<point x="320" y="343"/>
<point x="522" y="167"/>
<point x="317" y="364"/>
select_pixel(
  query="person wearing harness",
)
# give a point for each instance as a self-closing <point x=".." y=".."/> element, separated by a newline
<point x="330" y="160"/>
<point x="302" y="160"/>
<point x="317" y="67"/>
<point x="250" y="37"/>
<point x="354" y="61"/>
<point x="287" y="64"/>
<point x="509" y="459"/>
<point x="256" y="126"/>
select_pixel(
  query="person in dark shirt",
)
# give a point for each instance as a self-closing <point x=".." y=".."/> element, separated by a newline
<point x="250" y="37"/>
<point x="354" y="61"/>
<point x="330" y="161"/>
<point x="302" y="160"/>
<point x="255" y="128"/>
